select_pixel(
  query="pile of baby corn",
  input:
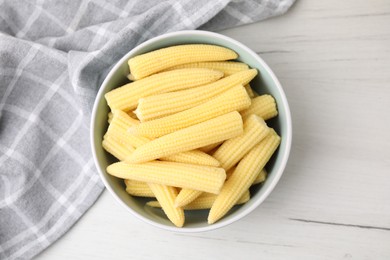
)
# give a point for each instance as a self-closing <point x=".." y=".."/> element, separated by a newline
<point x="189" y="131"/>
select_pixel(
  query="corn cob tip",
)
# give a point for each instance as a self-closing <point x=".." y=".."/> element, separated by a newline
<point x="251" y="73"/>
<point x="110" y="167"/>
<point x="211" y="220"/>
<point x="153" y="204"/>
<point x="130" y="77"/>
<point x="138" y="110"/>
<point x="214" y="216"/>
<point x="219" y="74"/>
<point x="260" y="177"/>
<point x="178" y="223"/>
<point x="166" y="195"/>
<point x="186" y="196"/>
<point x="137" y="113"/>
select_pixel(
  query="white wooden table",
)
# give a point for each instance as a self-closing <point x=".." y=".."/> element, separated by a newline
<point x="333" y="202"/>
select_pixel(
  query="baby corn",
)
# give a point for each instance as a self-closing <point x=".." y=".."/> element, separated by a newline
<point x="264" y="106"/>
<point x="120" y="122"/>
<point x="160" y="105"/>
<point x="234" y="99"/>
<point x="125" y="118"/>
<point x="196" y="177"/>
<point x="166" y="196"/>
<point x="186" y="196"/>
<point x="149" y="63"/>
<point x="118" y="129"/>
<point x="233" y="150"/>
<point x="110" y="115"/>
<point x="204" y="201"/>
<point x="193" y="157"/>
<point x="227" y="67"/>
<point x="260" y="177"/>
<point x="138" y="189"/>
<point x="126" y="97"/>
<point x="243" y="177"/>
<point x="212" y="131"/>
<point x="117" y="148"/>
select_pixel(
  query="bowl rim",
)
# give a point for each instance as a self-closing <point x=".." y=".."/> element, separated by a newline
<point x="277" y="174"/>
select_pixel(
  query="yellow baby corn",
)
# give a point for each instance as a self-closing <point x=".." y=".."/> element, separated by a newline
<point x="110" y="115"/>
<point x="210" y="147"/>
<point x="138" y="189"/>
<point x="249" y="90"/>
<point x="233" y="150"/>
<point x="234" y="99"/>
<point x="227" y="67"/>
<point x="264" y="106"/>
<point x="125" y="118"/>
<point x="204" y="178"/>
<point x="193" y="157"/>
<point x="243" y="177"/>
<point x="126" y="97"/>
<point x="160" y="105"/>
<point x="116" y="147"/>
<point x="121" y="121"/>
<point x="166" y="196"/>
<point x="186" y="196"/>
<point x="212" y="131"/>
<point x="130" y="77"/>
<point x="260" y="177"/>
<point x="204" y="201"/>
<point x="118" y="128"/>
<point x="149" y="63"/>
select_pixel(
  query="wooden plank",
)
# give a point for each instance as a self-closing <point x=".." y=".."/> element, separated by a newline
<point x="110" y="233"/>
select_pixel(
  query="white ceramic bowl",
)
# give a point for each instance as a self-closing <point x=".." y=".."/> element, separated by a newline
<point x="265" y="82"/>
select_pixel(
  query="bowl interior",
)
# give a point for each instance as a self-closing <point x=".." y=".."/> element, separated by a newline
<point x="265" y="82"/>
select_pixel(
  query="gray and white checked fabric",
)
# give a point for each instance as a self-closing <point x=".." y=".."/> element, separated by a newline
<point x="53" y="57"/>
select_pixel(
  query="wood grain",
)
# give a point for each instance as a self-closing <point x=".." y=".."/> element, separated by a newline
<point x="333" y="60"/>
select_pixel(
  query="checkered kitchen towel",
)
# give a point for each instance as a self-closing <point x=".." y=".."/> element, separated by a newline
<point x="53" y="57"/>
